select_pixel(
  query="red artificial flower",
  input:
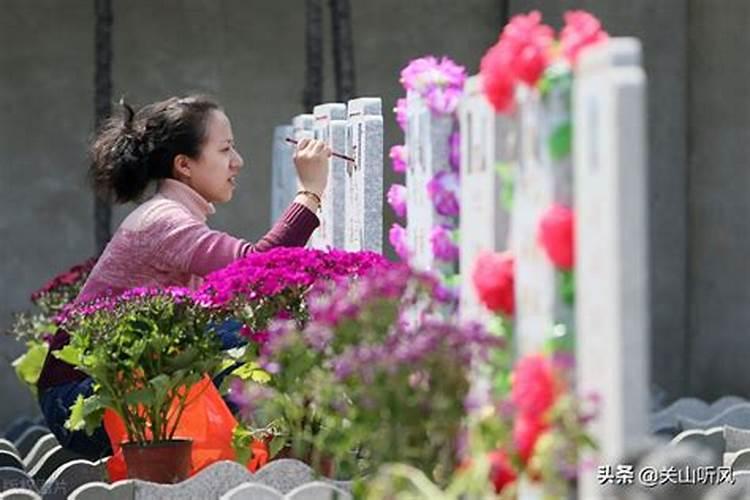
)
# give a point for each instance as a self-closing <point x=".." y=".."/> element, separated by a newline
<point x="493" y="281"/>
<point x="581" y="30"/>
<point x="533" y="386"/>
<point x="522" y="53"/>
<point x="502" y="472"/>
<point x="556" y="230"/>
<point x="526" y="432"/>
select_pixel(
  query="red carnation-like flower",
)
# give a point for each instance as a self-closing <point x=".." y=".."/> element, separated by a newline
<point x="534" y="387"/>
<point x="581" y="30"/>
<point x="498" y="79"/>
<point x="493" y="281"/>
<point x="502" y="472"/>
<point x="526" y="432"/>
<point x="556" y="232"/>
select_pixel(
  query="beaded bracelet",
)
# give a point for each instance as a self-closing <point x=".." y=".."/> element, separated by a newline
<point x="315" y="196"/>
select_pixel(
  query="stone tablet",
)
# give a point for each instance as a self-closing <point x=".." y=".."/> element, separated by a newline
<point x="330" y="126"/>
<point x="428" y="152"/>
<point x="612" y="292"/>
<point x="364" y="177"/>
<point x="283" y="173"/>
<point x="487" y="139"/>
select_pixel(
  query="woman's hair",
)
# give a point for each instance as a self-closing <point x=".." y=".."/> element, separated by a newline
<point x="134" y="148"/>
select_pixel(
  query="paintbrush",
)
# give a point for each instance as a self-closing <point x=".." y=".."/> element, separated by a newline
<point x="337" y="155"/>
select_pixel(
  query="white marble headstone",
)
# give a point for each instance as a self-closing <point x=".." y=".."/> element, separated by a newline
<point x="486" y="140"/>
<point x="364" y="177"/>
<point x="428" y="152"/>
<point x="612" y="302"/>
<point x="283" y="173"/>
<point x="533" y="193"/>
<point x="330" y="126"/>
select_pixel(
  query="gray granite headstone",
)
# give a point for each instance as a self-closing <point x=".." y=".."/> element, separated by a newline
<point x="20" y="494"/>
<point x="318" y="491"/>
<point x="364" y="177"/>
<point x="330" y="126"/>
<point x="121" y="490"/>
<point x="612" y="302"/>
<point x="42" y="446"/>
<point x="736" y="416"/>
<point x="8" y="459"/>
<point x="6" y="445"/>
<point x="283" y="173"/>
<point x="487" y="139"/>
<point x="18" y="427"/>
<point x="710" y="439"/>
<point x="66" y="478"/>
<point x="11" y="477"/>
<point x="26" y="441"/>
<point x="50" y="462"/>
<point x="428" y="152"/>
<point x="252" y="491"/>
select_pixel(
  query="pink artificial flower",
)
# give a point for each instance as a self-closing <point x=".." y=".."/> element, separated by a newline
<point x="400" y="111"/>
<point x="397" y="237"/>
<point x="426" y="72"/>
<point x="443" y="101"/>
<point x="443" y="247"/>
<point x="581" y="30"/>
<point x="397" y="199"/>
<point x="397" y="155"/>
<point x="443" y="191"/>
<point x="455" y="155"/>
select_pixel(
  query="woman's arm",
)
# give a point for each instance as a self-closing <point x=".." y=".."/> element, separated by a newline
<point x="211" y="250"/>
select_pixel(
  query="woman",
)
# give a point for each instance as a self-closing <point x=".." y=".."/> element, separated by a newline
<point x="185" y="145"/>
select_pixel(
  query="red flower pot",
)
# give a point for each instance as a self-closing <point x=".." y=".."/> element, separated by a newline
<point x="165" y="462"/>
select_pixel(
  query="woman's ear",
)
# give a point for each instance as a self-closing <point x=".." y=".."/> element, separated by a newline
<point x="181" y="167"/>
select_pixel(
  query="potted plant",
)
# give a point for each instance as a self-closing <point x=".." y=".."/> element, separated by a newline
<point x="34" y="328"/>
<point x="378" y="374"/>
<point x="144" y="350"/>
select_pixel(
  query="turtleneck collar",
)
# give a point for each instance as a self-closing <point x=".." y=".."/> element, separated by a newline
<point x="186" y="196"/>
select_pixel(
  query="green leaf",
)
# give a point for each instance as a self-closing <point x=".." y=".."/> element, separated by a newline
<point x="28" y="366"/>
<point x="560" y="141"/>
<point x="568" y="287"/>
<point x="145" y="396"/>
<point x="504" y="171"/>
<point x="85" y="414"/>
<point x="71" y="355"/>
<point x="276" y="445"/>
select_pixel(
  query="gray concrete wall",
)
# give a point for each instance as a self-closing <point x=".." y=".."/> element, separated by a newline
<point x="719" y="195"/>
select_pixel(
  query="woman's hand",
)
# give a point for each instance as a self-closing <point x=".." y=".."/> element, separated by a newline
<point x="311" y="161"/>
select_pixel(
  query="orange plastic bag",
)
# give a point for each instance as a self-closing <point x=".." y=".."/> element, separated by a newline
<point x="206" y="420"/>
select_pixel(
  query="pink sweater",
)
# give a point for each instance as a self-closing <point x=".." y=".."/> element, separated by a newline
<point x="165" y="242"/>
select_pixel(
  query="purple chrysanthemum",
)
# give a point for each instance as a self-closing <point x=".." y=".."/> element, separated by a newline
<point x="397" y="199"/>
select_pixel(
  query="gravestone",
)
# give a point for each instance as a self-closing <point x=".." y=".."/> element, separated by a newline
<point x="42" y="446"/>
<point x="69" y="476"/>
<point x="612" y="299"/>
<point x="330" y="126"/>
<point x="11" y="477"/>
<point x="26" y="441"/>
<point x="283" y="173"/>
<point x="428" y="152"/>
<point x="487" y="139"/>
<point x="364" y="176"/>
<point x="541" y="179"/>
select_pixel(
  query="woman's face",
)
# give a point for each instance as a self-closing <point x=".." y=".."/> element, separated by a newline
<point x="213" y="174"/>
